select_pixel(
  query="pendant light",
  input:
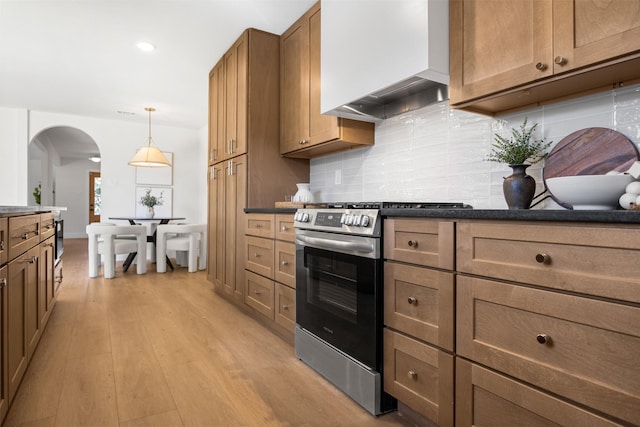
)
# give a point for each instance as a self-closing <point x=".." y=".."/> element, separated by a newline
<point x="149" y="156"/>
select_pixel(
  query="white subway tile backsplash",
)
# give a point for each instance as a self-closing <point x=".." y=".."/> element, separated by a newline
<point x="438" y="154"/>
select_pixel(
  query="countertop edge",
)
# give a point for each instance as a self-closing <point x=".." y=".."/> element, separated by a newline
<point x="16" y="210"/>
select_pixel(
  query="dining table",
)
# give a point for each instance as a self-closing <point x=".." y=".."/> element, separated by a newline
<point x="155" y="221"/>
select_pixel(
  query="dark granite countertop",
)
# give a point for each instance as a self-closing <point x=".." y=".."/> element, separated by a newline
<point x="18" y="210"/>
<point x="613" y="216"/>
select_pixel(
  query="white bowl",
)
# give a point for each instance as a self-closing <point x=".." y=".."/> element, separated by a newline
<point x="595" y="192"/>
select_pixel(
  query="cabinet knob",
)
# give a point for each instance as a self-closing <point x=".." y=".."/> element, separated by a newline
<point x="543" y="258"/>
<point x="413" y="243"/>
<point x="302" y="141"/>
<point x="541" y="66"/>
<point x="285" y="263"/>
<point x="284" y="228"/>
<point x="258" y="225"/>
<point x="256" y="255"/>
<point x="412" y="300"/>
<point x="285" y="307"/>
<point x="2" y="245"/>
<point x="3" y="283"/>
<point x="543" y="339"/>
<point x="412" y="375"/>
<point x="560" y="60"/>
<point x="257" y="292"/>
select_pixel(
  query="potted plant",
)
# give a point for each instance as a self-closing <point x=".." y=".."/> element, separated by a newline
<point x="149" y="200"/>
<point x="519" y="151"/>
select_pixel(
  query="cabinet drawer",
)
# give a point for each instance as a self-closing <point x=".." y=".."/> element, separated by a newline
<point x="284" y="228"/>
<point x="259" y="255"/>
<point x="47" y="226"/>
<point x="597" y="260"/>
<point x="419" y="375"/>
<point x="420" y="241"/>
<point x="261" y="225"/>
<point x="259" y="294"/>
<point x="24" y="233"/>
<point x="583" y="349"/>
<point x="4" y="240"/>
<point x="419" y="302"/>
<point x="286" y="263"/>
<point x="285" y="307"/>
<point x="487" y="399"/>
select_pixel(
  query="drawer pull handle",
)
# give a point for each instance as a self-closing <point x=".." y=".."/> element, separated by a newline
<point x="543" y="339"/>
<point x="543" y="258"/>
<point x="285" y="228"/>
<point x="2" y="245"/>
<point x="3" y="283"/>
<point x="258" y="225"/>
<point x="31" y="260"/>
<point x="541" y="66"/>
<point x="413" y="243"/>
<point x="285" y="307"/>
<point x="285" y="263"/>
<point x="412" y="375"/>
<point x="412" y="300"/>
<point x="257" y="292"/>
<point x="256" y="255"/>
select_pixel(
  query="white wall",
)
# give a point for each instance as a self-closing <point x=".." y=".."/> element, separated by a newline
<point x="118" y="141"/>
<point x="437" y="154"/>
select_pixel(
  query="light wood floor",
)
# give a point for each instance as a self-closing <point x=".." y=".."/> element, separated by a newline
<point x="166" y="350"/>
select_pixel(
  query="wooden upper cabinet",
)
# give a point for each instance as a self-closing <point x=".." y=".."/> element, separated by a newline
<point x="305" y="133"/>
<point x="496" y="45"/>
<point x="228" y="82"/>
<point x="507" y="54"/>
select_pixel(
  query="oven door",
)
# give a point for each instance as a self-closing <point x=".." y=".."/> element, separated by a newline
<point x="338" y="292"/>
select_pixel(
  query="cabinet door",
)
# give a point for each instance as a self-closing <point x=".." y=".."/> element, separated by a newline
<point x="17" y="349"/>
<point x="4" y="240"/>
<point x="588" y="32"/>
<point x="322" y="127"/>
<point x="216" y="113"/>
<point x="33" y="325"/>
<point x="260" y="255"/>
<point x="285" y="307"/>
<point x="235" y="202"/>
<point x="216" y="238"/>
<point x="46" y="287"/>
<point x="235" y="104"/>
<point x="294" y="87"/>
<point x="497" y="45"/>
<point x="4" y="353"/>
<point x="260" y="294"/>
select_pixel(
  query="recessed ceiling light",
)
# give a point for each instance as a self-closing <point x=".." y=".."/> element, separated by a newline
<point x="146" y="46"/>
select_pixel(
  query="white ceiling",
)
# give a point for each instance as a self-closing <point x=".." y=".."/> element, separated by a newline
<point x="80" y="57"/>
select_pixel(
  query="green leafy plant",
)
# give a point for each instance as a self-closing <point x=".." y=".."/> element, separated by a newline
<point x="150" y="200"/>
<point x="520" y="148"/>
<point x="37" y="193"/>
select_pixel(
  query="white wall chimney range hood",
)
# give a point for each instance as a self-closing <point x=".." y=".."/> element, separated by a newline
<point x="380" y="58"/>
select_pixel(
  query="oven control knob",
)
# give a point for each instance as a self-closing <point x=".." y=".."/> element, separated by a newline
<point x="365" y="221"/>
<point x="305" y="217"/>
<point x="343" y="219"/>
<point x="356" y="220"/>
<point x="349" y="220"/>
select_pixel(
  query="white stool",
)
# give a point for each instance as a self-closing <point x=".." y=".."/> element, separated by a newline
<point x="111" y="240"/>
<point x="188" y="240"/>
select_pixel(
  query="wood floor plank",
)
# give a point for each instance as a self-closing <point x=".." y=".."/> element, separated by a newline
<point x="88" y="395"/>
<point x="166" y="419"/>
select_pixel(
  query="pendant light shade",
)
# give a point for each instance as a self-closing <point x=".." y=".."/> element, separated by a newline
<point x="149" y="156"/>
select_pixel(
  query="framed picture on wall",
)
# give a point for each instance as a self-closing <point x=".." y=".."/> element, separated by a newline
<point x="164" y="194"/>
<point x="156" y="176"/>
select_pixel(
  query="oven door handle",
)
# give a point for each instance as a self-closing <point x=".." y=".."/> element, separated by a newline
<point x="336" y="245"/>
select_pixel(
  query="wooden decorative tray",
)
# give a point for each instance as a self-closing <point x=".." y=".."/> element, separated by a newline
<point x="296" y="205"/>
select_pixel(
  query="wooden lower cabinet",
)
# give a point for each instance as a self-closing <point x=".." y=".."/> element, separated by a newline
<point x="420" y="376"/>
<point x="285" y="306"/>
<point x="485" y="398"/>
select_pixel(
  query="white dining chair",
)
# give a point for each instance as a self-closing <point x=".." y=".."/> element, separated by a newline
<point x="112" y="240"/>
<point x="189" y="239"/>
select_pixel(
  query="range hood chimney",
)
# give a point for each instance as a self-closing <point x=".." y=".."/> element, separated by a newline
<point x="383" y="58"/>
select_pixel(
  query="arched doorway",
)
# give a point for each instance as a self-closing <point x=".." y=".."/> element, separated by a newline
<point x="60" y="166"/>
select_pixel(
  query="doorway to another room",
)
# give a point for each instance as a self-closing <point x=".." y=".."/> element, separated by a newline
<point x="95" y="197"/>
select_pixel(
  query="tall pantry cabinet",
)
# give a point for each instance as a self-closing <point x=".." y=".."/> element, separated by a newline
<point x="245" y="165"/>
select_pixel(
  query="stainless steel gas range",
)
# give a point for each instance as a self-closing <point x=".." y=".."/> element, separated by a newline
<point x="339" y="295"/>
